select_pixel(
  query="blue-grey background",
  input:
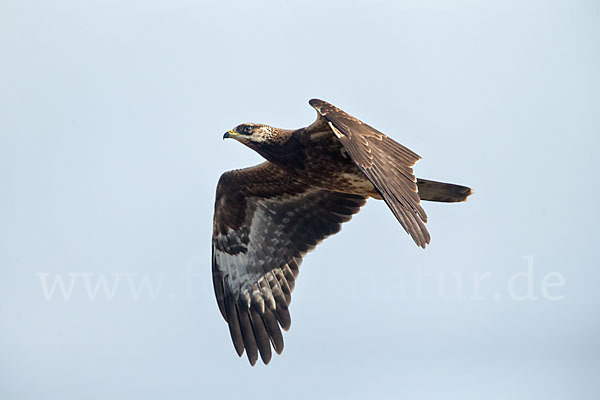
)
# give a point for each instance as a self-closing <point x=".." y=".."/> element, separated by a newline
<point x="111" y="118"/>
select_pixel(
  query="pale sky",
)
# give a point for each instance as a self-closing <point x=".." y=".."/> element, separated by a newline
<point x="111" y="122"/>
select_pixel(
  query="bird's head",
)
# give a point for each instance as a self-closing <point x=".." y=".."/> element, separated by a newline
<point x="271" y="143"/>
<point x="253" y="134"/>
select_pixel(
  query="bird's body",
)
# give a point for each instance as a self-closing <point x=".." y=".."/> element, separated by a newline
<point x="268" y="216"/>
<point x="318" y="159"/>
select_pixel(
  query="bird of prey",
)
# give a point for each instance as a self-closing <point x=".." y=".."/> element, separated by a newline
<point x="267" y="217"/>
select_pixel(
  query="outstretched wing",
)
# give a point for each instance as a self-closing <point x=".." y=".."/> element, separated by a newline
<point x="265" y="221"/>
<point x="385" y="162"/>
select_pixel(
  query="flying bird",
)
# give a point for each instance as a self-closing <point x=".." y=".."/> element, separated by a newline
<point x="267" y="217"/>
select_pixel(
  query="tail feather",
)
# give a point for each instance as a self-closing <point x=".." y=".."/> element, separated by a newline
<point x="440" y="191"/>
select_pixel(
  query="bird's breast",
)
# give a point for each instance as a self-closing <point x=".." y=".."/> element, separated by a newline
<point x="340" y="175"/>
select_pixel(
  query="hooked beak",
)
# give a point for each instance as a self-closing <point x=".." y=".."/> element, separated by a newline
<point x="230" y="133"/>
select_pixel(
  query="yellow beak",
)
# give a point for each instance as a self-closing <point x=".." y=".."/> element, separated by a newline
<point x="230" y="133"/>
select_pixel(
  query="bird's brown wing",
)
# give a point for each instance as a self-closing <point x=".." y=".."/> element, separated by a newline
<point x="385" y="162"/>
<point x="265" y="221"/>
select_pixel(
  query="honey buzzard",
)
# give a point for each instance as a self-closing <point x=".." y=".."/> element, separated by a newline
<point x="267" y="217"/>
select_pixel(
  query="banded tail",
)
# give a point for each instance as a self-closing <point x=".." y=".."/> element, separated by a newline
<point x="440" y="191"/>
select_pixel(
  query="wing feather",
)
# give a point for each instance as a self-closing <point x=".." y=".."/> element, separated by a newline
<point x="385" y="162"/>
<point x="265" y="221"/>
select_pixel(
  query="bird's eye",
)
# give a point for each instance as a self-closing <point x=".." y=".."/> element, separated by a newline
<point x="247" y="130"/>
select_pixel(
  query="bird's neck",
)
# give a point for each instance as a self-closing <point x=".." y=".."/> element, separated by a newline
<point x="289" y="154"/>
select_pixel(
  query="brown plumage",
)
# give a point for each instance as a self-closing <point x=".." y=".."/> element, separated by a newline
<point x="268" y="216"/>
